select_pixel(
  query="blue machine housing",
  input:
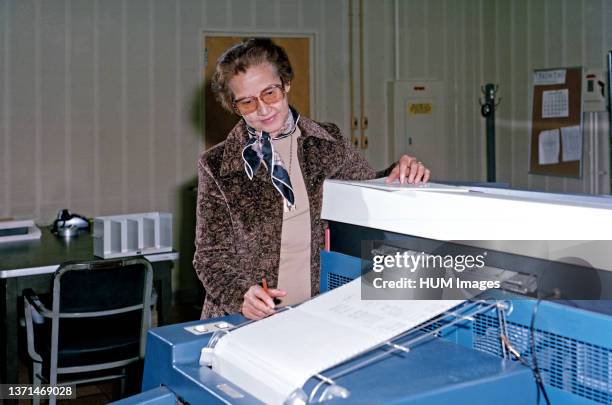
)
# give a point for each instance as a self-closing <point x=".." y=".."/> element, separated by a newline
<point x="436" y="372"/>
<point x="573" y="345"/>
<point x="463" y="366"/>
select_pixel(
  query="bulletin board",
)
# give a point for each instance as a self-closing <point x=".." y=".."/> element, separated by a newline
<point x="556" y="127"/>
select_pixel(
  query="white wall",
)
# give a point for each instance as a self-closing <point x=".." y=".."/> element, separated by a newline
<point x="541" y="34"/>
<point x="439" y="39"/>
<point x="96" y="95"/>
<point x="467" y="43"/>
<point x="96" y="98"/>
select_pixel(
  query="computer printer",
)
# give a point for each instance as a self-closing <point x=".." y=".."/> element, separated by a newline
<point x="559" y="351"/>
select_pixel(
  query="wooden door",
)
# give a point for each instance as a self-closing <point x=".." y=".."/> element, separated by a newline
<point x="219" y="122"/>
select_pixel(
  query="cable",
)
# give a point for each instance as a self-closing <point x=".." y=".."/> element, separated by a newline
<point x="515" y="352"/>
<point x="536" y="369"/>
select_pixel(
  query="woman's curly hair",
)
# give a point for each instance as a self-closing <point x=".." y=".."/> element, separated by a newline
<point x="240" y="57"/>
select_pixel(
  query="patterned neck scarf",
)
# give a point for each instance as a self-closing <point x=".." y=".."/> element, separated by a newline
<point x="259" y="149"/>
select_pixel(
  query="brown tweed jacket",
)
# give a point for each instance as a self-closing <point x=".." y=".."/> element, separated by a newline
<point x="239" y="221"/>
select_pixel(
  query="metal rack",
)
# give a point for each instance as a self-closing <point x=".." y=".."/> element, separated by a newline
<point x="435" y="327"/>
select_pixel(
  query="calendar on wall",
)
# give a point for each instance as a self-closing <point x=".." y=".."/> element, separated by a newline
<point x="555" y="103"/>
<point x="556" y="123"/>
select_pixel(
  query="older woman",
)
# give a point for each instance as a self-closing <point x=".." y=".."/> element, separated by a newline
<point x="260" y="191"/>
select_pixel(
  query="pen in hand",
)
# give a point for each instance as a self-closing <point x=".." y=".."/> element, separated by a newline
<point x="264" y="285"/>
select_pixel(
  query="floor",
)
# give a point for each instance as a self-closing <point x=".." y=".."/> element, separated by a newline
<point x="105" y="392"/>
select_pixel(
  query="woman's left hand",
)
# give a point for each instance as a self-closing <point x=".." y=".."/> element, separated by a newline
<point x="410" y="170"/>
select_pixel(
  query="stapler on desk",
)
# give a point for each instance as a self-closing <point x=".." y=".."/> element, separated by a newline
<point x="68" y="224"/>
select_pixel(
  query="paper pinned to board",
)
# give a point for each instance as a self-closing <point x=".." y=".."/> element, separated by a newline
<point x="548" y="77"/>
<point x="571" y="142"/>
<point x="548" y="147"/>
<point x="273" y="357"/>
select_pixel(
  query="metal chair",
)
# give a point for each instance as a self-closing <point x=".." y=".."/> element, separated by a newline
<point x="100" y="312"/>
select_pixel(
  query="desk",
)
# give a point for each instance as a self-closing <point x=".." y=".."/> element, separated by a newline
<point x="31" y="264"/>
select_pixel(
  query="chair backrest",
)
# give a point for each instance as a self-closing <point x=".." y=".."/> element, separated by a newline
<point x="112" y="296"/>
<point x="100" y="285"/>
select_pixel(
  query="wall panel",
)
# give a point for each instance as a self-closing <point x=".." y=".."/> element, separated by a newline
<point x="110" y="146"/>
<point x="537" y="45"/>
<point x="218" y="14"/>
<point x="24" y="100"/>
<point x="100" y="106"/>
<point x="138" y="115"/>
<point x="100" y="98"/>
<point x="333" y="64"/>
<point x="163" y="163"/>
<point x="519" y="109"/>
<point x="289" y="12"/>
<point x="242" y="19"/>
<point x="452" y="152"/>
<point x="265" y="13"/>
<point x="474" y="78"/>
<point x="80" y="105"/>
<point x="554" y="57"/>
<point x="379" y="25"/>
<point x="499" y="42"/>
<point x="53" y="114"/>
<point x="5" y="90"/>
<point x="503" y="115"/>
<point x="573" y="33"/>
<point x="188" y="109"/>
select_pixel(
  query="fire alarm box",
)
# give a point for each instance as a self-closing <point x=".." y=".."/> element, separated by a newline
<point x="594" y="90"/>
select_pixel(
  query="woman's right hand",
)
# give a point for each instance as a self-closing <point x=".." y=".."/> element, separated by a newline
<point x="257" y="304"/>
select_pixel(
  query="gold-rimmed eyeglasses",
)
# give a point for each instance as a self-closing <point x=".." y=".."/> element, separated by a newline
<point x="270" y="95"/>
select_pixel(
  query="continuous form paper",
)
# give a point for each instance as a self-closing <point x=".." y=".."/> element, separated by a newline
<point x="272" y="357"/>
